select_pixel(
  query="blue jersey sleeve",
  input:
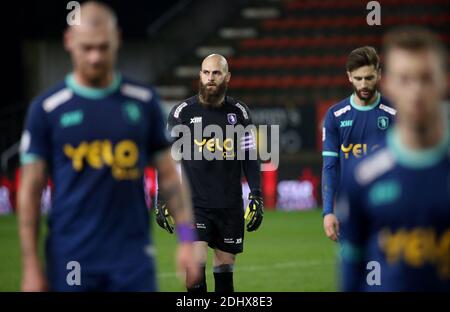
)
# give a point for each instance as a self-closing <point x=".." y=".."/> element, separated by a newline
<point x="330" y="169"/>
<point x="353" y="235"/>
<point x="36" y="138"/>
<point x="158" y="138"/>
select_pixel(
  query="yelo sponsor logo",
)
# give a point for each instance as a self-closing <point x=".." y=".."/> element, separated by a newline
<point x="358" y="150"/>
<point x="227" y="147"/>
<point x="417" y="247"/>
<point x="122" y="158"/>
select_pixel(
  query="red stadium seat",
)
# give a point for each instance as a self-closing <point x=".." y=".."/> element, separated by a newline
<point x="349" y="22"/>
<point x="315" y="42"/>
<point x="331" y="4"/>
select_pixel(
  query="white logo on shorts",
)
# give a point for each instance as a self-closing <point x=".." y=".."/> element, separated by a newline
<point x="201" y="226"/>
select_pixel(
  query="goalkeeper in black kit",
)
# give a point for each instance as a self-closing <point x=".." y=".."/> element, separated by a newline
<point x="213" y="157"/>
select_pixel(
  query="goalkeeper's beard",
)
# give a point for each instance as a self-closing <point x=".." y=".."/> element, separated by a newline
<point x="212" y="97"/>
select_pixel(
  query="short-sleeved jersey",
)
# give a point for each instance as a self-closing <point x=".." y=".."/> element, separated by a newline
<point x="350" y="130"/>
<point x="96" y="143"/>
<point x="214" y="183"/>
<point x="395" y="209"/>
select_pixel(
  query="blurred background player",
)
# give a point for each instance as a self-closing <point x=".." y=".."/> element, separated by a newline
<point x="352" y="128"/>
<point x="216" y="184"/>
<point x="395" y="208"/>
<point x="94" y="133"/>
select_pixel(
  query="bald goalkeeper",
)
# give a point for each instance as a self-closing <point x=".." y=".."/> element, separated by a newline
<point x="214" y="155"/>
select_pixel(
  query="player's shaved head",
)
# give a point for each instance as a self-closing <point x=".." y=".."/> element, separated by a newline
<point x="218" y="60"/>
<point x="93" y="43"/>
<point x="214" y="78"/>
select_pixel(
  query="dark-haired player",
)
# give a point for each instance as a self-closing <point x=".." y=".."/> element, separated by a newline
<point x="352" y="128"/>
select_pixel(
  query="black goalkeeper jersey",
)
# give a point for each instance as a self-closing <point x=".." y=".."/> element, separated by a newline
<point x="213" y="159"/>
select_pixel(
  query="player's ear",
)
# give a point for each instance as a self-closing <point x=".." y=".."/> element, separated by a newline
<point x="349" y="75"/>
<point x="442" y="82"/>
<point x="228" y="77"/>
<point x="67" y="39"/>
<point x="385" y="87"/>
<point x="119" y="38"/>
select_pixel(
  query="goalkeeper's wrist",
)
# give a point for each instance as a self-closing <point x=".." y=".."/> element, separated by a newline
<point x="185" y="233"/>
<point x="255" y="193"/>
<point x="160" y="196"/>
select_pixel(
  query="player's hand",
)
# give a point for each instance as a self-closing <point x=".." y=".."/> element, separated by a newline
<point x="186" y="262"/>
<point x="331" y="226"/>
<point x="163" y="218"/>
<point x="34" y="280"/>
<point x="254" y="212"/>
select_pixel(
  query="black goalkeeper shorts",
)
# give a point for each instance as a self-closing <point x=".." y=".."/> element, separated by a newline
<point x="222" y="229"/>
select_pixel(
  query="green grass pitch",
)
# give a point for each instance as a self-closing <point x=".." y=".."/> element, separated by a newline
<point x="288" y="253"/>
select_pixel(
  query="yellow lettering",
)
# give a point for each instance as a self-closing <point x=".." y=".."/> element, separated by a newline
<point x="124" y="173"/>
<point x="76" y="154"/>
<point x="346" y="150"/>
<point x="200" y="144"/>
<point x="220" y="148"/>
<point x="94" y="158"/>
<point x="357" y="150"/>
<point x="228" y="144"/>
<point x="107" y="153"/>
<point x="123" y="161"/>
<point x="392" y="244"/>
<point x="417" y="247"/>
<point x="210" y="145"/>
<point x="126" y="154"/>
<point x="443" y="255"/>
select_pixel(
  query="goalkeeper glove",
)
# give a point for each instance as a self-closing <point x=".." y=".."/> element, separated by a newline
<point x="254" y="212"/>
<point x="163" y="218"/>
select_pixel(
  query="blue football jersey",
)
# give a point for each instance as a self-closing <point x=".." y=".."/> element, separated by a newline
<point x="395" y="212"/>
<point x="96" y="143"/>
<point x="350" y="131"/>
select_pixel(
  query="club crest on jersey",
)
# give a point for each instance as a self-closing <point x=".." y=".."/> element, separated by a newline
<point x="383" y="122"/>
<point x="131" y="112"/>
<point x="232" y="119"/>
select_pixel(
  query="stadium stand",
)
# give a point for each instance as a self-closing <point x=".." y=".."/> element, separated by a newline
<point x="296" y="50"/>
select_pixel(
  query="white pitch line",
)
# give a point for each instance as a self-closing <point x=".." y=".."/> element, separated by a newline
<point x="252" y="268"/>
